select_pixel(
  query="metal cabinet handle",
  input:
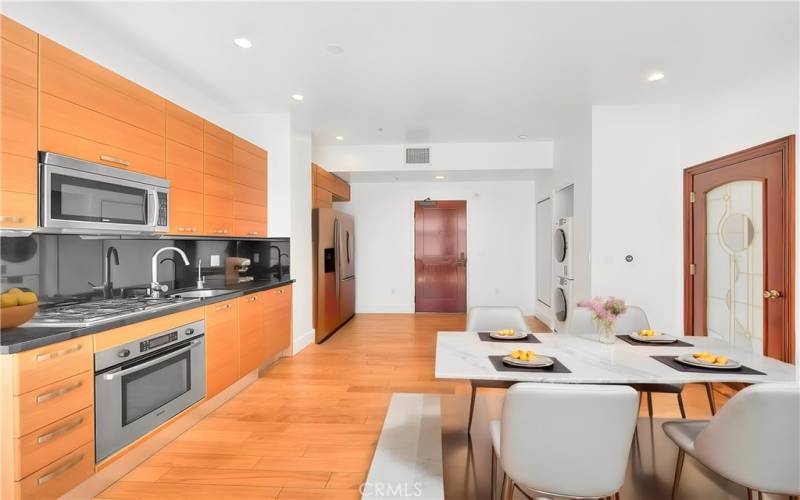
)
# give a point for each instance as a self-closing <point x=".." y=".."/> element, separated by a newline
<point x="253" y="233"/>
<point x="252" y="299"/>
<point x="147" y="364"/>
<point x="11" y="218"/>
<point x="58" y="392"/>
<point x="60" y="470"/>
<point x="56" y="354"/>
<point x="60" y="431"/>
<point x="219" y="308"/>
<point x="114" y="159"/>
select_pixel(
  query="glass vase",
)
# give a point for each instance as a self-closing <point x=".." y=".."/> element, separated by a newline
<point x="606" y="332"/>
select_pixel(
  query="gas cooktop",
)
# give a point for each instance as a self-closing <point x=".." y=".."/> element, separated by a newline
<point x="82" y="314"/>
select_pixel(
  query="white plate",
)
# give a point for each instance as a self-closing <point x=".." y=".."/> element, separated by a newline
<point x="536" y="362"/>
<point x="658" y="338"/>
<point x="516" y="336"/>
<point x="688" y="359"/>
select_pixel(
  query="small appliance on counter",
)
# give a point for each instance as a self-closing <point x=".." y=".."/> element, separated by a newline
<point x="234" y="267"/>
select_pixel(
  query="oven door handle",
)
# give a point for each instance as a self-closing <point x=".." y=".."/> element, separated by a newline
<point x="155" y="361"/>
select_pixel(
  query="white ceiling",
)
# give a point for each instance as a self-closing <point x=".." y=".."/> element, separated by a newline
<point x="446" y="72"/>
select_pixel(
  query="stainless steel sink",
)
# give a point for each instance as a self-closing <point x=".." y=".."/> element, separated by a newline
<point x="199" y="294"/>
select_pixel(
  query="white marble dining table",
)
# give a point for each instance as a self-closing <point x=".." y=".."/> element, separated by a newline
<point x="464" y="356"/>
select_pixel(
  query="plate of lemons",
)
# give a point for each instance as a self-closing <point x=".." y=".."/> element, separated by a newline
<point x="18" y="306"/>
<point x="708" y="360"/>
<point x="527" y="359"/>
<point x="508" y="334"/>
<point x="652" y="336"/>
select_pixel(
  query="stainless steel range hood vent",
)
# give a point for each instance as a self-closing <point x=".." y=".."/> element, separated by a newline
<point x="418" y="156"/>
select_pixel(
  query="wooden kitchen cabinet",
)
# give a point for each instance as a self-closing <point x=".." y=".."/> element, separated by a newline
<point x="90" y="112"/>
<point x="222" y="346"/>
<point x="327" y="188"/>
<point x="218" y="200"/>
<point x="278" y="319"/>
<point x="250" y="191"/>
<point x="18" y="117"/>
<point x="252" y="334"/>
<point x="184" y="135"/>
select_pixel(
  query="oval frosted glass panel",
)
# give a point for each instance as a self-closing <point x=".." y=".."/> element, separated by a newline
<point x="735" y="263"/>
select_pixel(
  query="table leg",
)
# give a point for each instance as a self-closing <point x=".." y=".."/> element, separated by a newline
<point x="711" y="402"/>
<point x="471" y="405"/>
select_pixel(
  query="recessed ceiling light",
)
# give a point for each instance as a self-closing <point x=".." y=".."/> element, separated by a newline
<point x="335" y="49"/>
<point x="243" y="43"/>
<point x="654" y="77"/>
<point x="522" y="136"/>
<point x="297" y="97"/>
<point x="339" y="138"/>
<point x="439" y="177"/>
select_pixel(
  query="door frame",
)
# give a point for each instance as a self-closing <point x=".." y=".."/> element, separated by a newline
<point x="786" y="146"/>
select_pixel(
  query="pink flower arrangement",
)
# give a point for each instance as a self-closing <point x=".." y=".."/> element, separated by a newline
<point x="605" y="310"/>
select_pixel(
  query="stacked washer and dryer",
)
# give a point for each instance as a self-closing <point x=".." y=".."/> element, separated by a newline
<point x="563" y="300"/>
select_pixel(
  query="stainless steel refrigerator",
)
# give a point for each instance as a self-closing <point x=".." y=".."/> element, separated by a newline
<point x="333" y="237"/>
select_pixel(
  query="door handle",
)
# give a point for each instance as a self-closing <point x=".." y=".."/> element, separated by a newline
<point x="154" y="361"/>
<point x="772" y="294"/>
<point x="462" y="260"/>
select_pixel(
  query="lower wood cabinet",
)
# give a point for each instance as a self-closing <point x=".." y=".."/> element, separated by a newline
<point x="60" y="476"/>
<point x="222" y="346"/>
<point x="252" y="336"/>
<point x="278" y="319"/>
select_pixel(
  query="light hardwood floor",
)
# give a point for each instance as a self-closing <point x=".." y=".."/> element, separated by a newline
<point x="308" y="427"/>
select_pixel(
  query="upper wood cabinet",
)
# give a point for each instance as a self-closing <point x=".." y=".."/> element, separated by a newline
<point x="327" y="188"/>
<point x="18" y="111"/>
<point x="185" y="170"/>
<point x="250" y="190"/>
<point x="90" y="112"/>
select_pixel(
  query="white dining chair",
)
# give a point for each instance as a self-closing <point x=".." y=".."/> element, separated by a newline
<point x="488" y="318"/>
<point x="545" y="444"/>
<point x="754" y="440"/>
<point x="635" y="319"/>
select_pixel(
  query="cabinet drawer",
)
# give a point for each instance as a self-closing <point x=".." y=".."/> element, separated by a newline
<point x="18" y="117"/>
<point x="216" y="186"/>
<point x="184" y="156"/>
<point x="250" y="228"/>
<point x="186" y="201"/>
<point x="75" y="87"/>
<point x="250" y="212"/>
<point x="242" y="158"/>
<point x="18" y="174"/>
<point x="18" y="210"/>
<point x="58" y="114"/>
<point x="186" y="223"/>
<point x="59" y="477"/>
<point x="47" y="404"/>
<point x="70" y="145"/>
<point x="180" y="131"/>
<point x="51" y="442"/>
<point x="251" y="195"/>
<point x="185" y="178"/>
<point x="218" y="167"/>
<point x="217" y="147"/>
<point x="17" y="63"/>
<point x="45" y="365"/>
<point x="219" y="226"/>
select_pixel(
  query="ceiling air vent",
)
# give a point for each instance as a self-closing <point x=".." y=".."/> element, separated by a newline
<point x="418" y="156"/>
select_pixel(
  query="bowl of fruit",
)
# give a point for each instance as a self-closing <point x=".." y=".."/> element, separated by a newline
<point x="18" y="306"/>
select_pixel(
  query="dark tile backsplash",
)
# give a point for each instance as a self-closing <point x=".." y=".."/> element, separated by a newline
<point x="58" y="265"/>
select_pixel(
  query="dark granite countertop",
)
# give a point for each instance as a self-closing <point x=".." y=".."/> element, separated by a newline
<point x="24" y="338"/>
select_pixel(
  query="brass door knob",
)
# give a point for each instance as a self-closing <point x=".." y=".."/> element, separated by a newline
<point x="771" y="294"/>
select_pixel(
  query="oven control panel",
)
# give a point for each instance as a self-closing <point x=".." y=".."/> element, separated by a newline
<point x="157" y="342"/>
<point x="146" y="345"/>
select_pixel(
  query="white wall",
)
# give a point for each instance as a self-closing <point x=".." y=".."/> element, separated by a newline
<point x="637" y="209"/>
<point x="300" y="192"/>
<point x="444" y="156"/>
<point x="500" y="242"/>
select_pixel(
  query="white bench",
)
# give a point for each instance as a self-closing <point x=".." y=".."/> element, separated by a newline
<point x="408" y="459"/>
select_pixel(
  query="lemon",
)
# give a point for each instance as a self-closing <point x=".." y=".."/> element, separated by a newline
<point x="14" y="291"/>
<point x="721" y="360"/>
<point x="516" y="354"/>
<point x="8" y="300"/>
<point x="700" y="354"/>
<point x="26" y="298"/>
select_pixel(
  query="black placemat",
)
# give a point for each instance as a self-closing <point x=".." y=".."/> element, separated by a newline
<point x="556" y="367"/>
<point x="531" y="338"/>
<point x="632" y="341"/>
<point x="670" y="361"/>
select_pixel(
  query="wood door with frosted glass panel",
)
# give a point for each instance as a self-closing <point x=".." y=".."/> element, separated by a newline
<point x="739" y="245"/>
<point x="440" y="256"/>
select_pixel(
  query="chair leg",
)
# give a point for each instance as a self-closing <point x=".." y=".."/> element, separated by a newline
<point x="680" y="405"/>
<point x="678" y="470"/>
<point x="471" y="407"/>
<point x="506" y="489"/>
<point x="616" y="496"/>
<point x="710" y="394"/>
<point x="494" y="474"/>
<point x="749" y="494"/>
<point x="760" y="496"/>
<point x="510" y="489"/>
<point x="650" y="404"/>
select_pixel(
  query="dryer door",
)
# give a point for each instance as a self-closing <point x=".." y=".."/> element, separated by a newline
<point x="560" y="304"/>
<point x="559" y="245"/>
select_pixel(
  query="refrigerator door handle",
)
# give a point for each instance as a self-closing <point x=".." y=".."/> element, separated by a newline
<point x="337" y="255"/>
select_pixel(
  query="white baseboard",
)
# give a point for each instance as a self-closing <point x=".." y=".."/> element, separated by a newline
<point x="385" y="308"/>
<point x="303" y="341"/>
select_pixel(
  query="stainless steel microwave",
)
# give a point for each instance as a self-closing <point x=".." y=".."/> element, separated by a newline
<point x="78" y="196"/>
